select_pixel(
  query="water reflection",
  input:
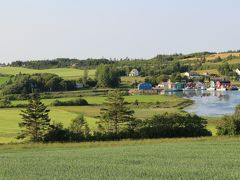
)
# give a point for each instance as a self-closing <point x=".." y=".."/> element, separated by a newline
<point x="211" y="103"/>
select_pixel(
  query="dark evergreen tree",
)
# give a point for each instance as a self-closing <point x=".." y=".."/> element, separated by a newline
<point x="35" y="120"/>
<point x="107" y="76"/>
<point x="116" y="115"/>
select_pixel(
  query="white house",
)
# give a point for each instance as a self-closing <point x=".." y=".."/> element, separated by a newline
<point x="238" y="72"/>
<point x="134" y="72"/>
<point x="192" y="74"/>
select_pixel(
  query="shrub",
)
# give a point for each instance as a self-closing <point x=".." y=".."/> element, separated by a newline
<point x="76" y="102"/>
<point x="57" y="133"/>
<point x="174" y="125"/>
<point x="230" y="125"/>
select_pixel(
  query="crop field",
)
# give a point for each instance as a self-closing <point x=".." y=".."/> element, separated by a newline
<point x="190" y="158"/>
<point x="66" y="73"/>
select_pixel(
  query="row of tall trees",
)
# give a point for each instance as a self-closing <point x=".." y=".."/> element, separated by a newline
<point x="26" y="83"/>
<point x="61" y="63"/>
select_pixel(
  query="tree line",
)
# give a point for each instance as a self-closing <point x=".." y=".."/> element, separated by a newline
<point x="61" y="63"/>
<point x="46" y="82"/>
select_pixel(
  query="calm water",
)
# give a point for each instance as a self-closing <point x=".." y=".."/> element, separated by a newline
<point x="213" y="103"/>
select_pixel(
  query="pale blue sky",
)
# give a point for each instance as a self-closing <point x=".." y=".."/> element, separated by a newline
<point x="41" y="29"/>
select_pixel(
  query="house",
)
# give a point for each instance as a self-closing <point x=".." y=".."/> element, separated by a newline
<point x="223" y="84"/>
<point x="200" y="86"/>
<point x="238" y="72"/>
<point x="179" y="86"/>
<point x="145" y="86"/>
<point x="191" y="75"/>
<point x="170" y="86"/>
<point x="134" y="72"/>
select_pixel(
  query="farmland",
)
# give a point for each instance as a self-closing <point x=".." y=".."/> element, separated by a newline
<point x="66" y="73"/>
<point x="9" y="118"/>
<point x="190" y="158"/>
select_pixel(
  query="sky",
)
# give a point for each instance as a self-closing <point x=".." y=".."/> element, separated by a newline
<point x="48" y="29"/>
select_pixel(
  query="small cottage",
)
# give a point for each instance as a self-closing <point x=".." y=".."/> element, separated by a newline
<point x="223" y="84"/>
<point x="238" y="72"/>
<point x="134" y="72"/>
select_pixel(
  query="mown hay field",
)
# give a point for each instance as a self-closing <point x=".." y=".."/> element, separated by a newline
<point x="66" y="73"/>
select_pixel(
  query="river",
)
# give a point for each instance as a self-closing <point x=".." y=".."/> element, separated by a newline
<point x="211" y="103"/>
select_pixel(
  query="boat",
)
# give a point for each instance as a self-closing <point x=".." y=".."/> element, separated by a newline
<point x="221" y="89"/>
<point x="170" y="90"/>
<point x="188" y="89"/>
<point x="200" y="88"/>
<point x="233" y="88"/>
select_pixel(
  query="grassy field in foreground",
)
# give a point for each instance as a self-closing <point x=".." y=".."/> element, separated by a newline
<point x="193" y="158"/>
<point x="66" y="73"/>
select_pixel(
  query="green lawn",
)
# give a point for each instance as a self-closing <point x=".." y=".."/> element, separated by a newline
<point x="9" y="119"/>
<point x="193" y="158"/>
<point x="3" y="79"/>
<point x="66" y="73"/>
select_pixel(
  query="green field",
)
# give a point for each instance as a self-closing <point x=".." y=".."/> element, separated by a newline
<point x="171" y="100"/>
<point x="9" y="118"/>
<point x="3" y="79"/>
<point x="193" y="158"/>
<point x="66" y="73"/>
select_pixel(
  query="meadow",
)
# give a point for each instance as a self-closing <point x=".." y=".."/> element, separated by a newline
<point x="184" y="158"/>
<point x="3" y="79"/>
<point x="66" y="73"/>
<point x="9" y="118"/>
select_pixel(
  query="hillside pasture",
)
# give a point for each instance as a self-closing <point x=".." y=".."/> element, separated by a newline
<point x="210" y="71"/>
<point x="222" y="55"/>
<point x="66" y="73"/>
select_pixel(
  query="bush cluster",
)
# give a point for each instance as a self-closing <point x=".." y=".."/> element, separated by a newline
<point x="75" y="102"/>
<point x="230" y="125"/>
<point x="159" y="126"/>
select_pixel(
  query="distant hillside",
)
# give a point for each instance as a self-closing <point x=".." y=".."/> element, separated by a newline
<point x="66" y="73"/>
<point x="201" y="62"/>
